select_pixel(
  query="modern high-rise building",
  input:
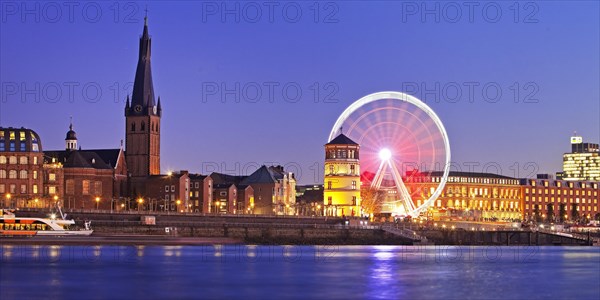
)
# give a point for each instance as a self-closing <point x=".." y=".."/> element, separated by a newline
<point x="142" y="122"/>
<point x="583" y="163"/>
<point x="342" y="177"/>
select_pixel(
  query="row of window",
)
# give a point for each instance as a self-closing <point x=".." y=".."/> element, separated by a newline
<point x="330" y="185"/>
<point x="339" y="153"/>
<point x="12" y="174"/>
<point x="539" y="199"/>
<point x="589" y="208"/>
<point x="153" y="127"/>
<point x="22" y="141"/>
<point x="86" y="187"/>
<point x="559" y="191"/>
<point x="12" y="189"/>
<point x="23" y="160"/>
<point x="568" y="184"/>
<point x="333" y="170"/>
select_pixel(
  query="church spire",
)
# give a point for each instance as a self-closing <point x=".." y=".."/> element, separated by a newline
<point x="142" y="99"/>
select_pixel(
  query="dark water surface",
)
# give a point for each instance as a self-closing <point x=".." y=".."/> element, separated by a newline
<point x="299" y="272"/>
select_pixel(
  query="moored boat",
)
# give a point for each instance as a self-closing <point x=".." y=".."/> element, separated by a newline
<point x="10" y="225"/>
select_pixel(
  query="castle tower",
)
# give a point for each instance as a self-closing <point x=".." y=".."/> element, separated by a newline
<point x="142" y="118"/>
<point x="342" y="177"/>
<point x="71" y="139"/>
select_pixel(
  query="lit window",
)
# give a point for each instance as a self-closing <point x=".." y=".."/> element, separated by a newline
<point x="2" y="159"/>
<point x="86" y="187"/>
<point x="51" y="177"/>
<point x="12" y="174"/>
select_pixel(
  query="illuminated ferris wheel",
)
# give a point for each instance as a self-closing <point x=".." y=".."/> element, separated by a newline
<point x="402" y="141"/>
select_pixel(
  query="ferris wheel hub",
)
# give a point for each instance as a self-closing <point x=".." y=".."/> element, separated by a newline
<point x="385" y="154"/>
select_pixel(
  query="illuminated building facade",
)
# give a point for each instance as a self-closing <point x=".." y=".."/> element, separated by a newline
<point x="21" y="163"/>
<point x="342" y="178"/>
<point x="583" y="163"/>
<point x="548" y="200"/>
<point x="273" y="191"/>
<point x="85" y="179"/>
<point x="468" y="196"/>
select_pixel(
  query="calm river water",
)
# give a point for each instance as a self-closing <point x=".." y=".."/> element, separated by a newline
<point x="299" y="272"/>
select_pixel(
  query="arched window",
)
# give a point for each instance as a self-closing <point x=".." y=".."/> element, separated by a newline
<point x="23" y="174"/>
<point x="2" y="174"/>
<point x="23" y="160"/>
<point x="132" y="126"/>
<point x="2" y="159"/>
<point x="12" y="160"/>
<point x="12" y="174"/>
<point x="143" y="126"/>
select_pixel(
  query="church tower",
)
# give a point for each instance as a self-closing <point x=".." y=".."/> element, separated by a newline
<point x="342" y="177"/>
<point x="142" y="117"/>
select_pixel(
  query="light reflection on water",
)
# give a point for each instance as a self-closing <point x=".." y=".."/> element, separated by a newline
<point x="299" y="272"/>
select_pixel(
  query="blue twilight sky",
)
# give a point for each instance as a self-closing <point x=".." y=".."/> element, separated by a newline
<point x="547" y="51"/>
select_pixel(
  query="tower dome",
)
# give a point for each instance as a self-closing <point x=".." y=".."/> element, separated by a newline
<point x="71" y="139"/>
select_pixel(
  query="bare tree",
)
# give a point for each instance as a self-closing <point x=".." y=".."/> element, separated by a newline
<point x="371" y="200"/>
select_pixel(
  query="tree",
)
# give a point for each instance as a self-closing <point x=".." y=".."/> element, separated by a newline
<point x="371" y="200"/>
<point x="597" y="217"/>
<point x="550" y="212"/>
<point x="562" y="212"/>
<point x="574" y="212"/>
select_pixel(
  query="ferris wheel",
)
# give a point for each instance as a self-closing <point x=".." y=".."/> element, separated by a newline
<point x="401" y="139"/>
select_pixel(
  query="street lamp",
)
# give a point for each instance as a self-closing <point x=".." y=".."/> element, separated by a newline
<point x="8" y="199"/>
<point x="97" y="202"/>
<point x="178" y="202"/>
<point x="36" y="202"/>
<point x="140" y="201"/>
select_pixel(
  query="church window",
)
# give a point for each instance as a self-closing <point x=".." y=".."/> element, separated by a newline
<point x="132" y="126"/>
<point x="143" y="126"/>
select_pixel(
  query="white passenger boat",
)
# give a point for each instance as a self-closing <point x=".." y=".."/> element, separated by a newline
<point x="10" y="225"/>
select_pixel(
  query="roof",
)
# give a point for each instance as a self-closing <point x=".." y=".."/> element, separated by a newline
<point x="143" y="87"/>
<point x="226" y="178"/>
<point x="197" y="176"/>
<point x="96" y="159"/>
<point x="342" y="140"/>
<point x="466" y="174"/>
<point x="223" y="185"/>
<point x="265" y="174"/>
<point x="32" y="142"/>
<point x="71" y="135"/>
<point x="262" y="175"/>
